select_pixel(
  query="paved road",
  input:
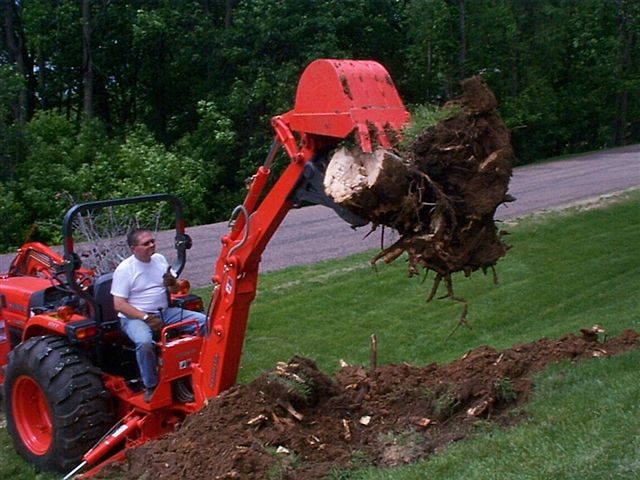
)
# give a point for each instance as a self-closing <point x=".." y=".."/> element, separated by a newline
<point x="316" y="233"/>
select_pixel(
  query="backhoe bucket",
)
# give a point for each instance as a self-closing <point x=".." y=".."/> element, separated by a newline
<point x="334" y="97"/>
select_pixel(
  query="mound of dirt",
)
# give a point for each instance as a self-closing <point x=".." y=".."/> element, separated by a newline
<point x="296" y="422"/>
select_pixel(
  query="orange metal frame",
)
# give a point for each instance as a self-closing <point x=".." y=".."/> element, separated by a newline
<point x="334" y="99"/>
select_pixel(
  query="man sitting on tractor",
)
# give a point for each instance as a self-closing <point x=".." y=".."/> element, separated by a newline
<point x="139" y="289"/>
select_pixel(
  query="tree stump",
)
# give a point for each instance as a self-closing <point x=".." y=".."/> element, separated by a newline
<point x="440" y="193"/>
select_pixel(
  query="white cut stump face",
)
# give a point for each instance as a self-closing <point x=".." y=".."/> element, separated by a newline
<point x="350" y="172"/>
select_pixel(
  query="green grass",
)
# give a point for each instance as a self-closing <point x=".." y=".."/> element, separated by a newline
<point x="566" y="270"/>
<point x="425" y="116"/>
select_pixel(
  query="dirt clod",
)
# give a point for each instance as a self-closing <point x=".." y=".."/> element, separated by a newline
<point x="393" y="415"/>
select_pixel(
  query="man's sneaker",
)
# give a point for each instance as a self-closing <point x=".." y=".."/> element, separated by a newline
<point x="148" y="393"/>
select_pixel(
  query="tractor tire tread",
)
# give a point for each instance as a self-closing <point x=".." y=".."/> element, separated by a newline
<point x="79" y="404"/>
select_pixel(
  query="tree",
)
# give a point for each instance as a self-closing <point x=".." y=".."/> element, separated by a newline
<point x="17" y="55"/>
<point x="87" y="67"/>
<point x="11" y="84"/>
<point x="431" y="46"/>
<point x="627" y="70"/>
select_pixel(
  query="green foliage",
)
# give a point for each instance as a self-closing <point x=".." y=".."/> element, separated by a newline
<point x="142" y="166"/>
<point x="504" y="390"/>
<point x="446" y="404"/>
<point x="48" y="171"/>
<point x="70" y="164"/>
<point x="15" y="225"/>
<point x="425" y="116"/>
<point x="431" y="50"/>
<point x="211" y="145"/>
<point x="528" y="119"/>
<point x="205" y="78"/>
<point x="296" y="386"/>
<point x="283" y="462"/>
<point x="64" y="162"/>
<point x="10" y="139"/>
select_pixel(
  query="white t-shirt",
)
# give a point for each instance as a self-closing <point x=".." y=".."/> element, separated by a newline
<point x="140" y="283"/>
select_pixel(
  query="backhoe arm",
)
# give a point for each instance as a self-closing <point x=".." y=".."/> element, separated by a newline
<point x="334" y="99"/>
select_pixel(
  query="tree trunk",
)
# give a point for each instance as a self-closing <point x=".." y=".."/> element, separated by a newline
<point x="17" y="53"/>
<point x="625" y="41"/>
<point x="228" y="10"/>
<point x="87" y="67"/>
<point x="462" y="30"/>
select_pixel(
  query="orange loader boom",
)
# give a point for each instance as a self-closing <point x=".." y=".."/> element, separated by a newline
<point x="334" y="99"/>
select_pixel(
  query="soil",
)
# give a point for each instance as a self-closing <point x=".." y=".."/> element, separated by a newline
<point x="297" y="422"/>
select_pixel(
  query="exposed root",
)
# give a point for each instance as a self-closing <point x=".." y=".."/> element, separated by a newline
<point x="462" y="321"/>
<point x="434" y="287"/>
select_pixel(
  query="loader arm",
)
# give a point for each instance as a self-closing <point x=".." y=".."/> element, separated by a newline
<point x="334" y="99"/>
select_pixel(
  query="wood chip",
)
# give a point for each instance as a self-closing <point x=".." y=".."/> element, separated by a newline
<point x="289" y="408"/>
<point x="260" y="419"/>
<point x="423" y="422"/>
<point x="365" y="420"/>
<point x="346" y="430"/>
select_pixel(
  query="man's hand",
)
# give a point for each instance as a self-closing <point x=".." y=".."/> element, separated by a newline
<point x="156" y="324"/>
<point x="168" y="280"/>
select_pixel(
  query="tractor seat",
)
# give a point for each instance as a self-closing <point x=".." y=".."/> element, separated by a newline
<point x="106" y="314"/>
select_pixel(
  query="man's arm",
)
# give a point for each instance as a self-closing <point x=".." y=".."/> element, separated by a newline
<point x="124" y="307"/>
<point x="129" y="311"/>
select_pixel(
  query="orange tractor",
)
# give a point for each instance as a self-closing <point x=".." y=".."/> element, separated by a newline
<point x="71" y="389"/>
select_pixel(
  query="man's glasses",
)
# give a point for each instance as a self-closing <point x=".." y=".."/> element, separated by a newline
<point x="147" y="243"/>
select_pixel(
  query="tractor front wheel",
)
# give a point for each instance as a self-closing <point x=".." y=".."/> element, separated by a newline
<point x="55" y="403"/>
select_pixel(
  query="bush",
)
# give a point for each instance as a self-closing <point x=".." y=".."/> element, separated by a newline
<point x="15" y="226"/>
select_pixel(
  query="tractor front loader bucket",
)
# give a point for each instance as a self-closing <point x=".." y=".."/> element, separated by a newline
<point x="336" y="97"/>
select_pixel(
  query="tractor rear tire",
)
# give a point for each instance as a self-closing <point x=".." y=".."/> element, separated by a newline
<point x="55" y="403"/>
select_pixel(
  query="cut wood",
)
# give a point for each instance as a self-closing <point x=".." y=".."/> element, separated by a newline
<point x="370" y="183"/>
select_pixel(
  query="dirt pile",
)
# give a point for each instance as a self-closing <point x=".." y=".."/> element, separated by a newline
<point x="440" y="193"/>
<point x="295" y="422"/>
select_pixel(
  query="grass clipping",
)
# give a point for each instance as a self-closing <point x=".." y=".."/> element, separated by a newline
<point x="440" y="191"/>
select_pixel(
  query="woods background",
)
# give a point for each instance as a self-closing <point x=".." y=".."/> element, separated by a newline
<point x="111" y="98"/>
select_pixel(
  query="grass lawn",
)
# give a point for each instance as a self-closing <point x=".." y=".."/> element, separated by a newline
<point x="566" y="270"/>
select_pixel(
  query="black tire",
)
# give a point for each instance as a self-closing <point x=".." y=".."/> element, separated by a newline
<point x="55" y="402"/>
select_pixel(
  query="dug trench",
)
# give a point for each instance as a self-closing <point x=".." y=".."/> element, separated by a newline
<point x="299" y="422"/>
